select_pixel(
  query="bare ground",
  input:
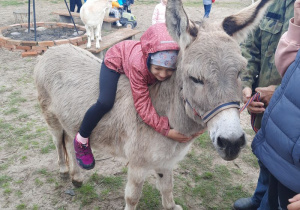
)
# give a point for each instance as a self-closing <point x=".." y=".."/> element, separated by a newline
<point x="27" y="165"/>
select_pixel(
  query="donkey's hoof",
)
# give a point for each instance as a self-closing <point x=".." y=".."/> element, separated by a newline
<point x="178" y="207"/>
<point x="64" y="175"/>
<point x="77" y="183"/>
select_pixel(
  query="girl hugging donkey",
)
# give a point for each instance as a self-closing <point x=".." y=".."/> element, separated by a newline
<point x="144" y="62"/>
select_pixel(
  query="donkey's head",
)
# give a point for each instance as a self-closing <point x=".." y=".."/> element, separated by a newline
<point x="209" y="66"/>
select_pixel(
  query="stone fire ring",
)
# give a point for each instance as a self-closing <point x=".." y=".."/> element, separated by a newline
<point x="34" y="48"/>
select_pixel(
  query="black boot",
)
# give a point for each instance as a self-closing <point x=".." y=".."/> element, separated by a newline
<point x="244" y="204"/>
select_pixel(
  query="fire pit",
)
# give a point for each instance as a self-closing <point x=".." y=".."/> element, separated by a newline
<point x="16" y="37"/>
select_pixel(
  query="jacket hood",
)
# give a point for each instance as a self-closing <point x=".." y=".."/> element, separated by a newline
<point x="157" y="38"/>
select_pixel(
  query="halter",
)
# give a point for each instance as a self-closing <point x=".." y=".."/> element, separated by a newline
<point x="210" y="114"/>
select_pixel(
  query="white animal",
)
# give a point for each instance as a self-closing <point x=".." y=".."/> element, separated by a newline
<point x="92" y="14"/>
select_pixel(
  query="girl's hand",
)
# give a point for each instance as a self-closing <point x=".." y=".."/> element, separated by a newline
<point x="295" y="203"/>
<point x="176" y="136"/>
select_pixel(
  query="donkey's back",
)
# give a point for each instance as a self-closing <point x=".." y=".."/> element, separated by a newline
<point x="67" y="80"/>
<point x="70" y="85"/>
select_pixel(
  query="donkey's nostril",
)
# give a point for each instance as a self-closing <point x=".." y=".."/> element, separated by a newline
<point x="222" y="143"/>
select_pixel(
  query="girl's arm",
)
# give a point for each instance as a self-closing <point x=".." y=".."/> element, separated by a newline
<point x="143" y="104"/>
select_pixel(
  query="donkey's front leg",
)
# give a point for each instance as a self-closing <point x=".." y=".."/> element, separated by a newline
<point x="134" y="186"/>
<point x="58" y="135"/>
<point x="165" y="185"/>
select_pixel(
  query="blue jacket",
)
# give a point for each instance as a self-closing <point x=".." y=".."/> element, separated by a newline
<point x="277" y="143"/>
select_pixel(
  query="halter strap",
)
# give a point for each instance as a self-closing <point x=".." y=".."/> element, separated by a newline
<point x="255" y="97"/>
<point x="210" y="114"/>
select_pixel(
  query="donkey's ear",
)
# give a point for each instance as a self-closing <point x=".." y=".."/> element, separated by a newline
<point x="183" y="30"/>
<point x="240" y="24"/>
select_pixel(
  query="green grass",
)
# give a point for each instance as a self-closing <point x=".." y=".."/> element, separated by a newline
<point x="250" y="158"/>
<point x="11" y="3"/>
<point x="4" y="179"/>
<point x="86" y="194"/>
<point x="46" y="149"/>
<point x="151" y="198"/>
<point x="21" y="206"/>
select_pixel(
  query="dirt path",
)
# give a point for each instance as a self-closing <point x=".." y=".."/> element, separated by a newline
<point x="29" y="177"/>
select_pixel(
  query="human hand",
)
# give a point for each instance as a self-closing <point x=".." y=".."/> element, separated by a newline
<point x="176" y="136"/>
<point x="297" y="13"/>
<point x="247" y="92"/>
<point x="254" y="107"/>
<point x="266" y="93"/>
<point x="198" y="133"/>
<point x="294" y="202"/>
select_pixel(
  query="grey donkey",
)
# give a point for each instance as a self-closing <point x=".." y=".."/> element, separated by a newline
<point x="203" y="93"/>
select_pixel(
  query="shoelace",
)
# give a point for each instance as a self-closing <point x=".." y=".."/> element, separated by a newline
<point x="84" y="149"/>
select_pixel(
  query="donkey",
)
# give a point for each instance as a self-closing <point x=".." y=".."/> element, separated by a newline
<point x="203" y="93"/>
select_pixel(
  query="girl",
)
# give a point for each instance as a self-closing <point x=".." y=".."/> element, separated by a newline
<point x="159" y="12"/>
<point x="144" y="62"/>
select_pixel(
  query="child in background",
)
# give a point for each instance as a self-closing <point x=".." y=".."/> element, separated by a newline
<point x="126" y="4"/>
<point x="115" y="11"/>
<point x="144" y="62"/>
<point x="207" y="7"/>
<point x="159" y="12"/>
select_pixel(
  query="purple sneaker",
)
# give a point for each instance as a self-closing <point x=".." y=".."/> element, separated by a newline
<point x="84" y="155"/>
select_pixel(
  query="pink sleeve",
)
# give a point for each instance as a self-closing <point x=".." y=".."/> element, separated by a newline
<point x="154" y="16"/>
<point x="288" y="47"/>
<point x="143" y="104"/>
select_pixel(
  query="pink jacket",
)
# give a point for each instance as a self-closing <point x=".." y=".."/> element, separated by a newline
<point x="130" y="58"/>
<point x="288" y="47"/>
<point x="159" y="13"/>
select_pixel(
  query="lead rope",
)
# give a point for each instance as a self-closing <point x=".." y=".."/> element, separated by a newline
<point x="255" y="97"/>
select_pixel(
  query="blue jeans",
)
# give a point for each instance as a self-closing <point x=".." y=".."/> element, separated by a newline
<point x="207" y="9"/>
<point x="260" y="196"/>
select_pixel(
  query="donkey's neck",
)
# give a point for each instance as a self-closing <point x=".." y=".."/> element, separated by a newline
<point x="168" y="102"/>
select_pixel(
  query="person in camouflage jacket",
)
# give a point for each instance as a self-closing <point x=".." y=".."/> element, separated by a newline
<point x="262" y="76"/>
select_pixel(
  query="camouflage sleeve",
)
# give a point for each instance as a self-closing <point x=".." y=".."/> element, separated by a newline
<point x="251" y="50"/>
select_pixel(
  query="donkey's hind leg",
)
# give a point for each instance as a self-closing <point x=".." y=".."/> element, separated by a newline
<point x="58" y="139"/>
<point x="165" y="186"/>
<point x="75" y="172"/>
<point x="134" y="186"/>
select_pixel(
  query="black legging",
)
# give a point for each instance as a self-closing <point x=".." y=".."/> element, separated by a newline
<point x="108" y="88"/>
<point x="73" y="3"/>
<point x="279" y="194"/>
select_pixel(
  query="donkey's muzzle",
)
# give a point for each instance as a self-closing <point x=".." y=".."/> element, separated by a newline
<point x="231" y="148"/>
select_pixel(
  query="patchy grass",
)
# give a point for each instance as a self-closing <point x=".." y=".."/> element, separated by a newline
<point x="151" y="198"/>
<point x="5" y="3"/>
<point x="86" y="194"/>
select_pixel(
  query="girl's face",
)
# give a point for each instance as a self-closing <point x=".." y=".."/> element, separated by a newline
<point x="165" y="1"/>
<point x="161" y="73"/>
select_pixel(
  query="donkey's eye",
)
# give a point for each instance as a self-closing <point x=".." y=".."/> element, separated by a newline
<point x="196" y="80"/>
